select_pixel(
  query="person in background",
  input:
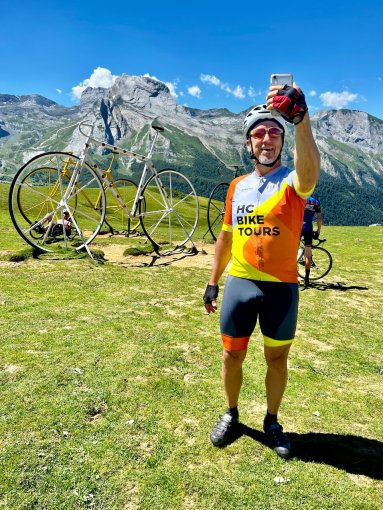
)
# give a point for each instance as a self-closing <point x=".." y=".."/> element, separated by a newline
<point x="312" y="209"/>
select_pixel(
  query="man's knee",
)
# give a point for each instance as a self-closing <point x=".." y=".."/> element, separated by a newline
<point x="233" y="358"/>
<point x="276" y="357"/>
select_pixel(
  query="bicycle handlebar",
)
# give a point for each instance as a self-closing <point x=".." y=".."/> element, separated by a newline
<point x="231" y="168"/>
<point x="85" y="124"/>
<point x="319" y="241"/>
<point x="156" y="125"/>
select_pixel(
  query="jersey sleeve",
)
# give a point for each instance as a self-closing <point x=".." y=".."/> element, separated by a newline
<point x="296" y="186"/>
<point x="228" y="218"/>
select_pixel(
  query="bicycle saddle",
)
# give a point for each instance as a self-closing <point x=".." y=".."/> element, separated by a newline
<point x="157" y="125"/>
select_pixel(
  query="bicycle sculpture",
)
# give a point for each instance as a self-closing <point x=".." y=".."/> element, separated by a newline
<point x="321" y="261"/>
<point x="55" y="187"/>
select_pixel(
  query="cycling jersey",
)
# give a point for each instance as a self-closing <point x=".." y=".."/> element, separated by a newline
<point x="312" y="207"/>
<point x="265" y="214"/>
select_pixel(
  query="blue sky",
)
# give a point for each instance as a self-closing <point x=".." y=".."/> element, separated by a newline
<point x="213" y="54"/>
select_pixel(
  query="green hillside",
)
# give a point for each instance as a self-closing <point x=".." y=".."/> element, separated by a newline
<point x="110" y="384"/>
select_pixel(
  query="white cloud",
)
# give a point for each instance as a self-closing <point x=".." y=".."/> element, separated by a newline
<point x="147" y="75"/>
<point x="101" y="77"/>
<point x="59" y="91"/>
<point x="312" y="93"/>
<point x="226" y="88"/>
<point x="238" y="92"/>
<point x="172" y="87"/>
<point x="338" y="99"/>
<point x="253" y="93"/>
<point x="210" y="78"/>
<point x="195" y="91"/>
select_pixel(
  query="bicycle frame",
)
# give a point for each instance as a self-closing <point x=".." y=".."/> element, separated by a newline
<point x="301" y="247"/>
<point x="149" y="166"/>
<point x="319" y="242"/>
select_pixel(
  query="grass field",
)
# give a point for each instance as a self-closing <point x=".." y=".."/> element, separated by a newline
<point x="110" y="384"/>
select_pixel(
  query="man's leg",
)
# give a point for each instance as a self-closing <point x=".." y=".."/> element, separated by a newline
<point x="278" y="321"/>
<point x="232" y="375"/>
<point x="276" y="375"/>
<point x="237" y="322"/>
<point x="227" y="425"/>
<point x="308" y="258"/>
<point x="308" y="239"/>
<point x="276" y="380"/>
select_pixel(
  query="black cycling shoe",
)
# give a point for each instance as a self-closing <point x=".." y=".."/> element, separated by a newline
<point x="278" y="440"/>
<point x="224" y="430"/>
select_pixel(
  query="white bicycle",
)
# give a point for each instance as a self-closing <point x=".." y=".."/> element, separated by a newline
<point x="58" y="200"/>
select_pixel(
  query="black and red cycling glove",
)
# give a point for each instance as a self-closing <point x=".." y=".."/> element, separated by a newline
<point x="211" y="294"/>
<point x="291" y="104"/>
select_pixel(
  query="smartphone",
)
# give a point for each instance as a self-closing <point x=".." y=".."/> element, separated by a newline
<point x="281" y="79"/>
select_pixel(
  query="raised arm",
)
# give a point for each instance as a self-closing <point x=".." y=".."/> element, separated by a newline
<point x="306" y="156"/>
<point x="306" y="153"/>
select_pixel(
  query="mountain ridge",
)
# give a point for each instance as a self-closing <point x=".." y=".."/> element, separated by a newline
<point x="201" y="143"/>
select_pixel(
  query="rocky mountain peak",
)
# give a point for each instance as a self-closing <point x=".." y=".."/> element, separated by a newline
<point x="25" y="101"/>
<point x="8" y="99"/>
<point x="90" y="97"/>
<point x="141" y="93"/>
<point x="353" y="127"/>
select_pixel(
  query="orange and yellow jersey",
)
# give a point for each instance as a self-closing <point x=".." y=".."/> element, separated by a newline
<point x="265" y="215"/>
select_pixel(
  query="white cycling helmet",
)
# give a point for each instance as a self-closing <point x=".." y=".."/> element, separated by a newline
<point x="257" y="114"/>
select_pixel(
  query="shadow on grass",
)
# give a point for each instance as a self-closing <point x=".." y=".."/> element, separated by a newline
<point x="165" y="260"/>
<point x="330" y="286"/>
<point x="354" y="454"/>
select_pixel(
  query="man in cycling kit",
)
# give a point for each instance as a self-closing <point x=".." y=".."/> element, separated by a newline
<point x="312" y="208"/>
<point x="260" y="233"/>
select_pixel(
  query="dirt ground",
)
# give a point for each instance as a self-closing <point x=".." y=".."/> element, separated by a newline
<point x="114" y="253"/>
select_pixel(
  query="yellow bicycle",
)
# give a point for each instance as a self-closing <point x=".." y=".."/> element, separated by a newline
<point x="117" y="219"/>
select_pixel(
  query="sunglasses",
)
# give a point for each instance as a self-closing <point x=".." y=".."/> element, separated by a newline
<point x="273" y="132"/>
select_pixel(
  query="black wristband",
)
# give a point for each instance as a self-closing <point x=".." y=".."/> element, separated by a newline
<point x="211" y="294"/>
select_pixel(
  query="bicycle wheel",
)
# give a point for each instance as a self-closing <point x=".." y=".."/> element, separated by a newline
<point x="40" y="193"/>
<point x="321" y="264"/>
<point x="171" y="210"/>
<point x="117" y="217"/>
<point x="39" y="175"/>
<point x="216" y="208"/>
